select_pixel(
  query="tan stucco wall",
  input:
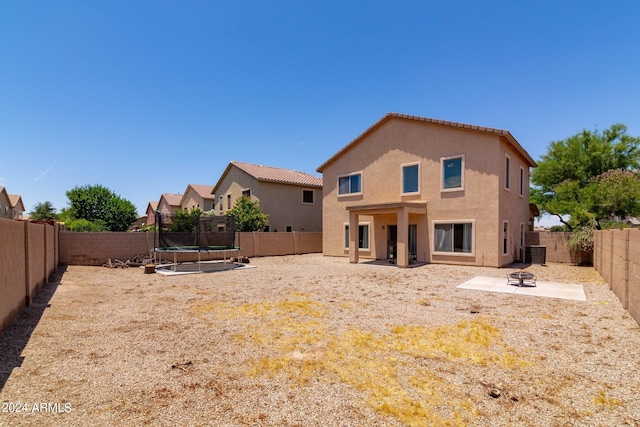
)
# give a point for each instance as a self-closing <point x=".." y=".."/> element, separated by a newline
<point x="379" y="157"/>
<point x="282" y="202"/>
<point x="192" y="199"/>
<point x="5" y="205"/>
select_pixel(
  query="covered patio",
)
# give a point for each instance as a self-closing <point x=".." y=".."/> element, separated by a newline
<point x="403" y="242"/>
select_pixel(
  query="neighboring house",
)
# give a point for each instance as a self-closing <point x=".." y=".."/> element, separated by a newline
<point x="151" y="212"/>
<point x="292" y="199"/>
<point x="169" y="203"/>
<point x="5" y="203"/>
<point x="17" y="207"/>
<point x="413" y="189"/>
<point x="198" y="196"/>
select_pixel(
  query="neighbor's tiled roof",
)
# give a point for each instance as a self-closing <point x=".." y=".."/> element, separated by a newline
<point x="203" y="191"/>
<point x="503" y="133"/>
<point x="273" y="174"/>
<point x="14" y="199"/>
<point x="172" y="199"/>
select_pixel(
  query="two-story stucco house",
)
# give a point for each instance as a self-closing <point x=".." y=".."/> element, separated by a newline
<point x="17" y="207"/>
<point x="5" y="204"/>
<point x="291" y="198"/>
<point x="413" y="189"/>
<point x="169" y="203"/>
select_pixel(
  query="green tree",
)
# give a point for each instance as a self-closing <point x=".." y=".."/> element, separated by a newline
<point x="566" y="180"/>
<point x="185" y="220"/>
<point x="96" y="203"/>
<point x="43" y="212"/>
<point x="83" y="225"/>
<point x="248" y="215"/>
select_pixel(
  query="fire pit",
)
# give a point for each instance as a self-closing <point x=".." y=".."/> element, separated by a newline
<point x="521" y="278"/>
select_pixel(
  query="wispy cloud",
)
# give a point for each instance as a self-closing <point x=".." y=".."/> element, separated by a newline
<point x="44" y="172"/>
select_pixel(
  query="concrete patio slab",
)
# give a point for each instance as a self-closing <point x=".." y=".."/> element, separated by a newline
<point x="542" y="289"/>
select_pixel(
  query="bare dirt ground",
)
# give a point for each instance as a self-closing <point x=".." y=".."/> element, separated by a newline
<point x="315" y="341"/>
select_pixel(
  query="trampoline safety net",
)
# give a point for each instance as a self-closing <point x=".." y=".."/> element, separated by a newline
<point x="194" y="233"/>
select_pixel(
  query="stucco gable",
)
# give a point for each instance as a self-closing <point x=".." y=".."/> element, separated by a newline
<point x="16" y="202"/>
<point x="505" y="135"/>
<point x="171" y="199"/>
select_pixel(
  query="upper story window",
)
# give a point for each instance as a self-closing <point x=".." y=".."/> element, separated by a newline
<point x="350" y="184"/>
<point x="307" y="196"/>
<point x="221" y="207"/>
<point x="246" y="193"/>
<point x="452" y="173"/>
<point x="411" y="178"/>
<point x="521" y="181"/>
<point x="228" y="201"/>
<point x="507" y="172"/>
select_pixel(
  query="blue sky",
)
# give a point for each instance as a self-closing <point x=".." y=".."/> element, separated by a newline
<point x="146" y="97"/>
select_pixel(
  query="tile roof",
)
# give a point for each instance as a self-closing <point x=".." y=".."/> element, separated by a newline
<point x="503" y="133"/>
<point x="203" y="191"/>
<point x="16" y="199"/>
<point x="172" y="199"/>
<point x="273" y="174"/>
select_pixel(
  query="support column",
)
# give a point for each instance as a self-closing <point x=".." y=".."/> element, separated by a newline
<point x="403" y="238"/>
<point x="354" y="244"/>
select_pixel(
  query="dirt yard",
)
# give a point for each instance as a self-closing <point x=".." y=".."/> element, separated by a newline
<point x="315" y="341"/>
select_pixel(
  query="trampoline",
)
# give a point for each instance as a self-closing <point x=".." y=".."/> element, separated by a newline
<point x="191" y="234"/>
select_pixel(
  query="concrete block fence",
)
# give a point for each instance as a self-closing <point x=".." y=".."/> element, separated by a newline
<point x="29" y="255"/>
<point x="617" y="258"/>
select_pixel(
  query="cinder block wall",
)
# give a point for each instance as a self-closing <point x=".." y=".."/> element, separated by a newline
<point x="617" y="259"/>
<point x="37" y="261"/>
<point x="12" y="270"/>
<point x="556" y="244"/>
<point x="98" y="248"/>
<point x="28" y="256"/>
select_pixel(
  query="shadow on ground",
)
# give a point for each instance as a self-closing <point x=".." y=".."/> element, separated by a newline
<point x="15" y="338"/>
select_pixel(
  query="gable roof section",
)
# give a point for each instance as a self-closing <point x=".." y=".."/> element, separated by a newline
<point x="204" y="191"/>
<point x="16" y="202"/>
<point x="272" y="174"/>
<point x="172" y="199"/>
<point x="506" y="135"/>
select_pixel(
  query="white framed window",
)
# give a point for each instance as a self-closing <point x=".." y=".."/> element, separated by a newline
<point x="410" y="178"/>
<point x="363" y="236"/>
<point x="452" y="173"/>
<point x="505" y="238"/>
<point x="246" y="193"/>
<point x="350" y="184"/>
<point x="521" y="181"/>
<point x="220" y="204"/>
<point x="307" y="197"/>
<point x="507" y="172"/>
<point x="454" y="237"/>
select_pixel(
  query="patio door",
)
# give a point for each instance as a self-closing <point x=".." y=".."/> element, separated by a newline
<point x="413" y="242"/>
<point x="392" y="242"/>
